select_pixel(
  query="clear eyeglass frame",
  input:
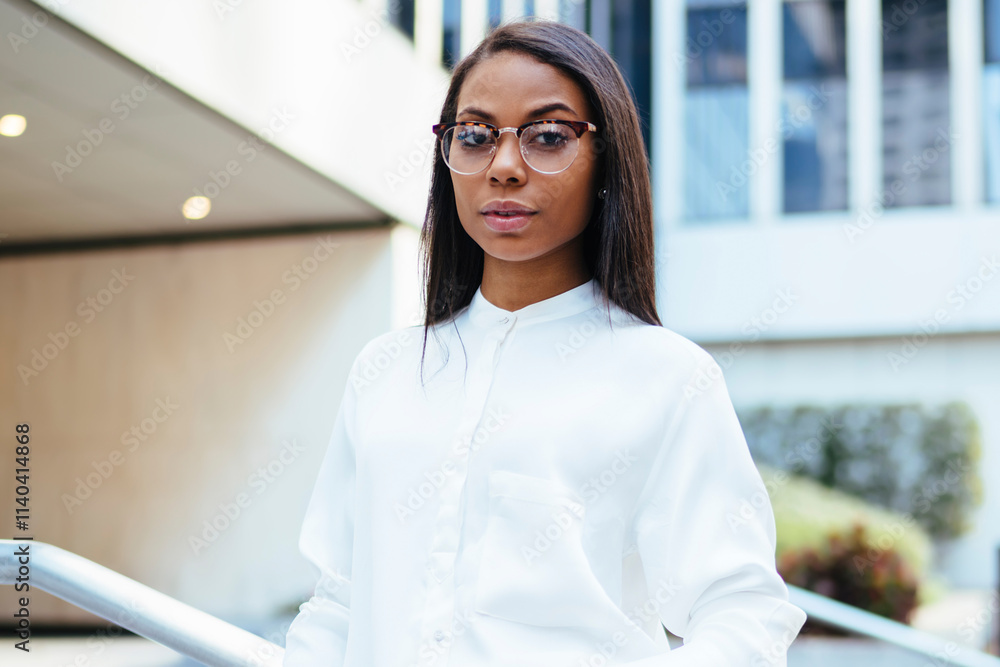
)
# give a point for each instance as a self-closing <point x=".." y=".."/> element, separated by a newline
<point x="578" y="127"/>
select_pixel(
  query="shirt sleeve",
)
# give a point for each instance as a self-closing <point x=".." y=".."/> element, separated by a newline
<point x="704" y="528"/>
<point x="318" y="634"/>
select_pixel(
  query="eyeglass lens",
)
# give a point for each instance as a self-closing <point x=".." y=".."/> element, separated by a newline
<point x="546" y="147"/>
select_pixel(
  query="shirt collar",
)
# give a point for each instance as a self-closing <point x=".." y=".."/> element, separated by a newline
<point x="576" y="300"/>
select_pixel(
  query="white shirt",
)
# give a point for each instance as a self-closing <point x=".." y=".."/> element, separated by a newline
<point x="584" y="484"/>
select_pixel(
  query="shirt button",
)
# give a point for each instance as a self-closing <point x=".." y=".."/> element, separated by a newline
<point x="505" y="320"/>
<point x="439" y="636"/>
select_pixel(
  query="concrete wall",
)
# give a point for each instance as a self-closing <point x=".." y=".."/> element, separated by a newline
<point x="167" y="333"/>
<point x="338" y="66"/>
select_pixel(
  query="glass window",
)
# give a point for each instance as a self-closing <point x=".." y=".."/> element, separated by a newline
<point x="495" y="9"/>
<point x="451" y="39"/>
<point x="574" y="13"/>
<point x="401" y="16"/>
<point x="814" y="106"/>
<point x="915" y="103"/>
<point x="991" y="98"/>
<point x="715" y="112"/>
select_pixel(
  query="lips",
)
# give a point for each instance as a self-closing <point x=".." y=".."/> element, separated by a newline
<point x="507" y="223"/>
<point x="507" y="215"/>
<point x="506" y="208"/>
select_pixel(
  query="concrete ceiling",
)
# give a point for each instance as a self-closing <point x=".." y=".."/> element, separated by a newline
<point x="143" y="165"/>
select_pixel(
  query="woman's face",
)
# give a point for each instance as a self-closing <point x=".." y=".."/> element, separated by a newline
<point x="506" y="90"/>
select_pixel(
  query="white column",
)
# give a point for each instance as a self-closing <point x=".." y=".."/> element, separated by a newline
<point x="511" y="9"/>
<point x="475" y="22"/>
<point x="764" y="46"/>
<point x="965" y="69"/>
<point x="548" y="9"/>
<point x="375" y="6"/>
<point x="428" y="30"/>
<point x="864" y="104"/>
<point x="668" y="75"/>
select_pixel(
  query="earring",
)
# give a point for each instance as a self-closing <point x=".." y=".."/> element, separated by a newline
<point x="602" y="193"/>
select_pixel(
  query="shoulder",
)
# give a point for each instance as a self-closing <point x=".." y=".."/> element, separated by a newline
<point x="389" y="346"/>
<point x="662" y="361"/>
<point x="662" y="347"/>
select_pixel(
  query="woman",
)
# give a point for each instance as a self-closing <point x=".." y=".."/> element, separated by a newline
<point x="579" y="477"/>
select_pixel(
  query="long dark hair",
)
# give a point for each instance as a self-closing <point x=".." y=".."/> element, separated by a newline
<point x="618" y="239"/>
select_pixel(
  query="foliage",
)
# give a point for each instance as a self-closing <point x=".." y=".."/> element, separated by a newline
<point x="840" y="546"/>
<point x="806" y="513"/>
<point x="920" y="461"/>
<point x="854" y="570"/>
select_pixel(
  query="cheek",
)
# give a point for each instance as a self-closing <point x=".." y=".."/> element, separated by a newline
<point x="464" y="206"/>
<point x="571" y="193"/>
<point x="462" y="196"/>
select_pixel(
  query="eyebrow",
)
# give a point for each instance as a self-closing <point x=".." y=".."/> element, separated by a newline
<point x="553" y="106"/>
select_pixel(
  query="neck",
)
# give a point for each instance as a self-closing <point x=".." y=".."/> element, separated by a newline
<point x="514" y="285"/>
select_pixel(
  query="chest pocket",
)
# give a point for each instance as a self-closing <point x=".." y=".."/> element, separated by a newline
<point x="533" y="567"/>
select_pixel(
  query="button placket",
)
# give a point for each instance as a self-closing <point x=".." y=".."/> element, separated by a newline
<point x="440" y="610"/>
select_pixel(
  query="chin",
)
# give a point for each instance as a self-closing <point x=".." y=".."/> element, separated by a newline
<point x="517" y="249"/>
<point x="507" y="255"/>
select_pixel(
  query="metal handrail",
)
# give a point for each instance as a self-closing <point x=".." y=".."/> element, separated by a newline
<point x="137" y="607"/>
<point x="212" y="641"/>
<point x="858" y="621"/>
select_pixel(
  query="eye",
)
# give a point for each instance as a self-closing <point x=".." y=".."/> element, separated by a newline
<point x="551" y="136"/>
<point x="470" y="136"/>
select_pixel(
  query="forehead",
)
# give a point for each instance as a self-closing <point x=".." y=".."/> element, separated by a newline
<point x="513" y="84"/>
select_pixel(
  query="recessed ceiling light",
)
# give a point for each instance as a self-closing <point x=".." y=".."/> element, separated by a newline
<point x="12" y="125"/>
<point x="196" y="208"/>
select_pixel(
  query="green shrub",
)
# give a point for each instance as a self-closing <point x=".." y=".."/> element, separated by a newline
<point x="916" y="460"/>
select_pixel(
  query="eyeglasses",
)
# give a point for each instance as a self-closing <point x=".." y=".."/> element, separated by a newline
<point x="548" y="146"/>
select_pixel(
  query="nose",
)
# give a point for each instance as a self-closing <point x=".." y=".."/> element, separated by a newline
<point x="508" y="163"/>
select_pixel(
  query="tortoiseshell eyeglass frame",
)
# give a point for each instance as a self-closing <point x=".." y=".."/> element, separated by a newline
<point x="578" y="126"/>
